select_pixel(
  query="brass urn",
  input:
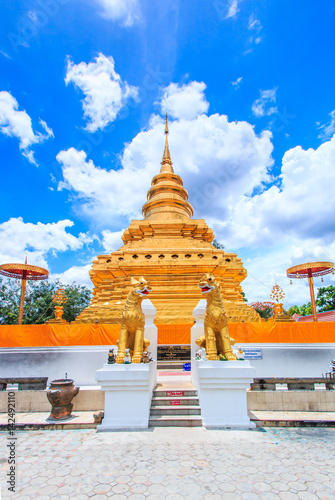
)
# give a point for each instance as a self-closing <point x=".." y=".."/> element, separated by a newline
<point x="60" y="394"/>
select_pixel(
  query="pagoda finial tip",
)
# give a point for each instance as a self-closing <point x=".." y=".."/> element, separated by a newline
<point x="166" y="163"/>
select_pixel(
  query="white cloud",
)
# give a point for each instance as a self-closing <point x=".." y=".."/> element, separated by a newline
<point x="112" y="241"/>
<point x="125" y="11"/>
<point x="236" y="84"/>
<point x="184" y="101"/>
<point x="328" y="129"/>
<point x="254" y="24"/>
<point x="232" y="8"/>
<point x="75" y="274"/>
<point x="36" y="241"/>
<point x="5" y="54"/>
<point x="267" y="267"/>
<point x="215" y="158"/>
<point x="105" y="92"/>
<point x="259" y="107"/>
<point x="15" y="123"/>
<point x="255" y="27"/>
<point x="301" y="208"/>
<point x="225" y="168"/>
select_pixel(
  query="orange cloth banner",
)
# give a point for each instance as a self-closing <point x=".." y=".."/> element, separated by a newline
<point x="174" y="334"/>
<point x="105" y="334"/>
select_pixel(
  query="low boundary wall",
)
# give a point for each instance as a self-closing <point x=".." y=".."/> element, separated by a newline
<point x="81" y="362"/>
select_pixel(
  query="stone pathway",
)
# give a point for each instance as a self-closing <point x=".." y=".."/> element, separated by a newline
<point x="173" y="463"/>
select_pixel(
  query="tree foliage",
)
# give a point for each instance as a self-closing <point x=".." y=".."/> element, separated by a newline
<point x="217" y="245"/>
<point x="304" y="310"/>
<point x="326" y="298"/>
<point x="264" y="309"/>
<point x="38" y="306"/>
<point x="325" y="301"/>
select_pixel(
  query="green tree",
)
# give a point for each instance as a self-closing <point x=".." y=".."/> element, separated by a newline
<point x="244" y="297"/>
<point x="304" y="310"/>
<point x="264" y="309"/>
<point x="38" y="306"/>
<point x="326" y="298"/>
<point x="217" y="245"/>
<point x="295" y="310"/>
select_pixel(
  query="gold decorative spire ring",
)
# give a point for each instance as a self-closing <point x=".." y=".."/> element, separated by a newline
<point x="166" y="162"/>
<point x="167" y="197"/>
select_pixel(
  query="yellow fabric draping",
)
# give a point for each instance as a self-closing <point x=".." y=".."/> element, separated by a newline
<point x="105" y="334"/>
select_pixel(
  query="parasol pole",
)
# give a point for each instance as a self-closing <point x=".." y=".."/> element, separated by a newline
<point x="23" y="293"/>
<point x="311" y="289"/>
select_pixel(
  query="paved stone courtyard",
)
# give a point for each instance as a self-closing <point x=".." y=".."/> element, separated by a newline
<point x="173" y="463"/>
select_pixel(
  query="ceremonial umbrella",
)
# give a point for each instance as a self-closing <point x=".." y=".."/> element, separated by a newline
<point x="23" y="272"/>
<point x="310" y="270"/>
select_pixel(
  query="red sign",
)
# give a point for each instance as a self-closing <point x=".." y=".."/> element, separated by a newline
<point x="175" y="393"/>
<point x="175" y="402"/>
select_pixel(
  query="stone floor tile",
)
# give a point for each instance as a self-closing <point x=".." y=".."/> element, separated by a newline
<point x="296" y="486"/>
<point x="140" y="479"/>
<point x="288" y="495"/>
<point x="325" y="495"/>
<point x="228" y="487"/>
<point x="305" y="495"/>
<point x="120" y="488"/>
<point x="249" y="496"/>
<point x="156" y="479"/>
<point x="122" y="479"/>
<point x="138" y="488"/>
<point x="156" y="489"/>
<point x="269" y="496"/>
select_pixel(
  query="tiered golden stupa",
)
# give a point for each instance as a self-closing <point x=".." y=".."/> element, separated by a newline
<point x="172" y="251"/>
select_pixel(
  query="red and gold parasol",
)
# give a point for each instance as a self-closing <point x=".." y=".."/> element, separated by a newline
<point x="23" y="272"/>
<point x="311" y="270"/>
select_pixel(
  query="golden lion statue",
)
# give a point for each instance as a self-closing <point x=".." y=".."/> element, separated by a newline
<point x="132" y="323"/>
<point x="216" y="340"/>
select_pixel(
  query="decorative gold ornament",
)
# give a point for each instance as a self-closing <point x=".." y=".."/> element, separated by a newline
<point x="217" y="340"/>
<point x="277" y="293"/>
<point x="132" y="323"/>
<point x="60" y="297"/>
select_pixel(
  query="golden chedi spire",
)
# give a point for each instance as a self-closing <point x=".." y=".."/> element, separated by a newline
<point x="166" y="162"/>
<point x="167" y="198"/>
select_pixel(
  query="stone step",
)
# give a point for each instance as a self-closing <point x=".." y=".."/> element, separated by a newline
<point x="175" y="421"/>
<point x="175" y="410"/>
<point x="168" y="401"/>
<point x="174" y="393"/>
<point x="172" y="365"/>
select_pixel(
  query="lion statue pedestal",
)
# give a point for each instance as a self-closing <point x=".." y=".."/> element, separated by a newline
<point x="221" y="385"/>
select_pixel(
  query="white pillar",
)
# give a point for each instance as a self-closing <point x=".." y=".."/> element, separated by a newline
<point x="197" y="331"/>
<point x="128" y="391"/>
<point x="222" y="387"/>
<point x="128" y="388"/>
<point x="150" y="329"/>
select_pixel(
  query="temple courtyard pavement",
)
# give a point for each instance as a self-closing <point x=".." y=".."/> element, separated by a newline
<point x="173" y="463"/>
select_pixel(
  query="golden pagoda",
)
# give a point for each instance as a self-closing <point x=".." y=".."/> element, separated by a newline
<point x="172" y="251"/>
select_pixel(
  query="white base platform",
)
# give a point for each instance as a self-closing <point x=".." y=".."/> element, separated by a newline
<point x="128" y="392"/>
<point x="222" y="387"/>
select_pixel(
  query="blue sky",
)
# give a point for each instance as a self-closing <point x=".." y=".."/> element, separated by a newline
<point x="249" y="90"/>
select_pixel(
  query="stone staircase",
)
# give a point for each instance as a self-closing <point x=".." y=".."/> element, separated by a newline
<point x="175" y="407"/>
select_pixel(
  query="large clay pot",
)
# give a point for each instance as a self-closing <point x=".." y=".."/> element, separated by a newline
<point x="60" y="394"/>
